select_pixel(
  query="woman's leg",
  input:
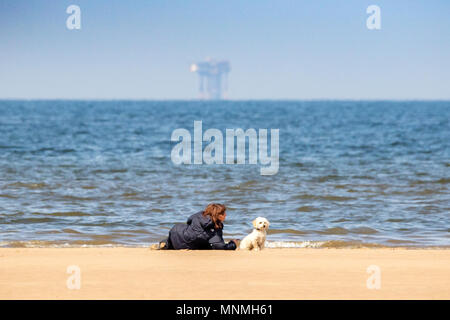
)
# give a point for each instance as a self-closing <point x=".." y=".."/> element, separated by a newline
<point x="169" y="244"/>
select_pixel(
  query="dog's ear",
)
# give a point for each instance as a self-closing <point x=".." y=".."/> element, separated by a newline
<point x="254" y="223"/>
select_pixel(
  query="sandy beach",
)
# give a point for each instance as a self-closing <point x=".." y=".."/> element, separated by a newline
<point x="140" y="273"/>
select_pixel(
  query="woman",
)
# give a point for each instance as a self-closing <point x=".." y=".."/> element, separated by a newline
<point x="203" y="230"/>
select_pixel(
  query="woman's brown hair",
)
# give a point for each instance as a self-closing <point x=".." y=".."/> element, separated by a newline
<point x="214" y="210"/>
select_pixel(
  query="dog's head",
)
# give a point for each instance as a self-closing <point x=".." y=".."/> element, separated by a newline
<point x="261" y="223"/>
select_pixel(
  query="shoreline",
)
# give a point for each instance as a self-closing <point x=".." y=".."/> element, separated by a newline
<point x="281" y="273"/>
<point x="272" y="244"/>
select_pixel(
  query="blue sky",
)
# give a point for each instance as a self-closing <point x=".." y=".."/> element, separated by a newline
<point x="278" y="49"/>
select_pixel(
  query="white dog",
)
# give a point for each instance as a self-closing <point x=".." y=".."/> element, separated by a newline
<point x="256" y="240"/>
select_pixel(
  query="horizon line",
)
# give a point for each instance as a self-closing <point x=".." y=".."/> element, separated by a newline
<point x="228" y="100"/>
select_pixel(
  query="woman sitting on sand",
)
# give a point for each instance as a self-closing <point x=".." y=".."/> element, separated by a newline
<point x="203" y="230"/>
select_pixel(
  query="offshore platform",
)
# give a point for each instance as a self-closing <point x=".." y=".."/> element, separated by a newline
<point x="213" y="76"/>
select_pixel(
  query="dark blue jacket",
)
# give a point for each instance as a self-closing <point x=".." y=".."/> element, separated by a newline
<point x="197" y="234"/>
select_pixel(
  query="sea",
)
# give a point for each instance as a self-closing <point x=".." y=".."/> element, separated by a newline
<point x="101" y="173"/>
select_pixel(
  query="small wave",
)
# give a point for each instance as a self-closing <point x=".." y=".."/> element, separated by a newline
<point x="58" y="244"/>
<point x="298" y="164"/>
<point x="428" y="192"/>
<point x="350" y="244"/>
<point x="294" y="244"/>
<point x="134" y="231"/>
<point x="9" y="196"/>
<point x="32" y="220"/>
<point x="336" y="244"/>
<point x="439" y="181"/>
<point x="341" y="231"/>
<point x="363" y="230"/>
<point x="323" y="198"/>
<point x="63" y="214"/>
<point x="306" y="209"/>
<point x="398" y="241"/>
<point x="31" y="185"/>
<point x="285" y="231"/>
<point x="396" y="220"/>
<point x="335" y="230"/>
<point x="123" y="170"/>
<point x="341" y="220"/>
<point x="75" y="198"/>
<point x="26" y="244"/>
<point x="45" y="150"/>
<point x="363" y="177"/>
<point x="71" y="231"/>
<point x="129" y="194"/>
<point x="47" y="232"/>
<point x="331" y="177"/>
<point x="429" y="210"/>
<point x="244" y="185"/>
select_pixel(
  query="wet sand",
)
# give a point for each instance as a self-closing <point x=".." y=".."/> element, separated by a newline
<point x="139" y="273"/>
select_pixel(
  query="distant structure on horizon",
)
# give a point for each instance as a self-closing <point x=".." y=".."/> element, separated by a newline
<point x="213" y="78"/>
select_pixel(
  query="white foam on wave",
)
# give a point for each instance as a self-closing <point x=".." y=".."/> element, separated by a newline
<point x="38" y="244"/>
<point x="292" y="244"/>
